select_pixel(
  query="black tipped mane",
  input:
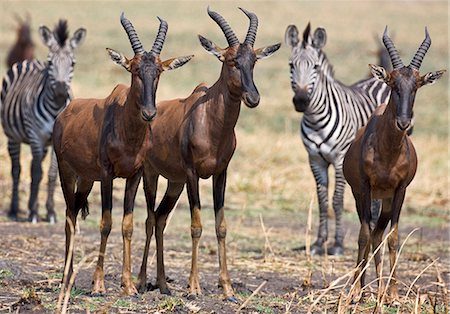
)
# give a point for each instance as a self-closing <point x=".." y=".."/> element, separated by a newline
<point x="61" y="32"/>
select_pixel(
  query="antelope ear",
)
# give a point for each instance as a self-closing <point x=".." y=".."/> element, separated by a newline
<point x="266" y="52"/>
<point x="291" y="36"/>
<point x="78" y="38"/>
<point x="174" y="63"/>
<point x="319" y="38"/>
<point x="379" y="73"/>
<point x="47" y="36"/>
<point x="431" y="77"/>
<point x="119" y="58"/>
<point x="212" y="48"/>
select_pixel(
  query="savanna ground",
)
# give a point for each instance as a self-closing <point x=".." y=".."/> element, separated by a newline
<point x="270" y="187"/>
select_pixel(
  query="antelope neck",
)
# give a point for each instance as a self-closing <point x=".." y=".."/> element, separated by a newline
<point x="391" y="138"/>
<point x="226" y="103"/>
<point x="134" y="128"/>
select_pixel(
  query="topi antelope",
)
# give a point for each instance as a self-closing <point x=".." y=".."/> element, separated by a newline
<point x="381" y="162"/>
<point x="102" y="139"/>
<point x="194" y="138"/>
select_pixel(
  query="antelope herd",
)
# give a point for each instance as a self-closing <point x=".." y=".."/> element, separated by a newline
<point x="362" y="130"/>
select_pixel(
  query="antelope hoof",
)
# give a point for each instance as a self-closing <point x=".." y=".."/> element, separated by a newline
<point x="316" y="250"/>
<point x="98" y="288"/>
<point x="129" y="289"/>
<point x="165" y="291"/>
<point x="142" y="286"/>
<point x="194" y="288"/>
<point x="231" y="299"/>
<point x="336" y="250"/>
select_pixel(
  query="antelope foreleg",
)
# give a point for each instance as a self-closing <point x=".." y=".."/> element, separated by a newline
<point x="219" y="183"/>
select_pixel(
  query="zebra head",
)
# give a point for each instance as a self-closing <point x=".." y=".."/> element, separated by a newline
<point x="306" y="63"/>
<point x="404" y="81"/>
<point x="60" y="58"/>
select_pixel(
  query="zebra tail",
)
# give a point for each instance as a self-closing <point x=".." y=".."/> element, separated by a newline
<point x="81" y="203"/>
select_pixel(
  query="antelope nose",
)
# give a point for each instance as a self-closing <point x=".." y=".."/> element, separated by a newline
<point x="403" y="124"/>
<point x="148" y="115"/>
<point x="251" y="99"/>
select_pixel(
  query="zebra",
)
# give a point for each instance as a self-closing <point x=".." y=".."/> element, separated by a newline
<point x="332" y="113"/>
<point x="33" y="93"/>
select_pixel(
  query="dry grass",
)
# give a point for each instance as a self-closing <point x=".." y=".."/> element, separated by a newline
<point x="269" y="186"/>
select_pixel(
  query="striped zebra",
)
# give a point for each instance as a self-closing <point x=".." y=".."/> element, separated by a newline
<point x="332" y="113"/>
<point x="33" y="93"/>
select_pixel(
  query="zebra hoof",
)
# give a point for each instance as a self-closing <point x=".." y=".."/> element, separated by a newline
<point x="316" y="250"/>
<point x="336" y="250"/>
<point x="52" y="219"/>
<point x="33" y="218"/>
<point x="12" y="216"/>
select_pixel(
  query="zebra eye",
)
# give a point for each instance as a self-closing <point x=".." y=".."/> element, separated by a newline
<point x="316" y="66"/>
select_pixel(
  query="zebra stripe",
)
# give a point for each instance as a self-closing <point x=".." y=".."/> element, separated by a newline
<point x="33" y="93"/>
<point x="333" y="112"/>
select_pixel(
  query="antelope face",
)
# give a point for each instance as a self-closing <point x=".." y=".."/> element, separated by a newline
<point x="146" y="67"/>
<point x="404" y="81"/>
<point x="61" y="60"/>
<point x="306" y="63"/>
<point x="239" y="58"/>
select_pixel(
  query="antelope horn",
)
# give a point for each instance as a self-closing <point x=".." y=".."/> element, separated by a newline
<point x="226" y="29"/>
<point x="251" y="34"/>
<point x="132" y="35"/>
<point x="393" y="53"/>
<point x="161" y="37"/>
<point x="418" y="57"/>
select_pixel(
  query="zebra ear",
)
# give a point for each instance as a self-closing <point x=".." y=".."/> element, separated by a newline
<point x="47" y="36"/>
<point x="291" y="36"/>
<point x="119" y="58"/>
<point x="212" y="48"/>
<point x="78" y="38"/>
<point x="379" y="73"/>
<point x="319" y="38"/>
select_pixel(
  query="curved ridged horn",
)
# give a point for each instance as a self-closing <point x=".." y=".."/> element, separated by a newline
<point x="161" y="37"/>
<point x="418" y="57"/>
<point x="393" y="53"/>
<point x="253" y="27"/>
<point x="226" y="29"/>
<point x="132" y="35"/>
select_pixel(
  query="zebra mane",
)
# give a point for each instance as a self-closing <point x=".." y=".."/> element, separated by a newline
<point x="326" y="67"/>
<point x="61" y="32"/>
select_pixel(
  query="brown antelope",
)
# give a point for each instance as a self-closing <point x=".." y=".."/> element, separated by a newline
<point x="381" y="162"/>
<point x="102" y="139"/>
<point x="23" y="48"/>
<point x="194" y="138"/>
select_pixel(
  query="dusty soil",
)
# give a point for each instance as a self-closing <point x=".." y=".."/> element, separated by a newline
<point x="32" y="257"/>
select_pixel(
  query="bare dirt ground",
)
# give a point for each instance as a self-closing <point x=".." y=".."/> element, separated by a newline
<point x="259" y="252"/>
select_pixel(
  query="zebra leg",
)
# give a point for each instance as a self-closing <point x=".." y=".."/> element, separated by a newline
<point x="14" y="154"/>
<point x="38" y="153"/>
<point x="338" y="204"/>
<point x="319" y="169"/>
<point x="52" y="173"/>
